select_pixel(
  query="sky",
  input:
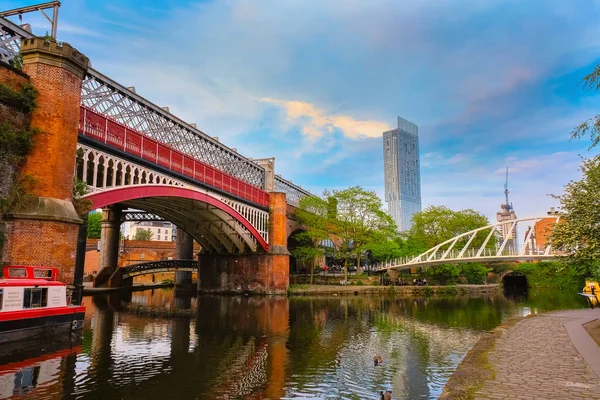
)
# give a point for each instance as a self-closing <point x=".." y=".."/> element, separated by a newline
<point x="490" y="83"/>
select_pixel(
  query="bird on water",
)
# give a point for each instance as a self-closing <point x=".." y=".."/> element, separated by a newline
<point x="377" y="359"/>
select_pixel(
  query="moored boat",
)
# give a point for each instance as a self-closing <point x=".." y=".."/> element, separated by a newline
<point x="33" y="303"/>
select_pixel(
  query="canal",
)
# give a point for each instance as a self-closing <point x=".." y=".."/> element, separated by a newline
<point x="158" y="346"/>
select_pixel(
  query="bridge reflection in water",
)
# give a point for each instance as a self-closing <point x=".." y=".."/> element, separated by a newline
<point x="264" y="347"/>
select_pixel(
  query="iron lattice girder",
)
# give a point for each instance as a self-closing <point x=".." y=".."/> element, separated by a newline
<point x="293" y="193"/>
<point x="10" y="39"/>
<point x="139" y="216"/>
<point x="107" y="97"/>
<point x="159" y="266"/>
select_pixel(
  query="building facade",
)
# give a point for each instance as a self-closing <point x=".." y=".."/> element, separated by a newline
<point x="402" y="173"/>
<point x="161" y="230"/>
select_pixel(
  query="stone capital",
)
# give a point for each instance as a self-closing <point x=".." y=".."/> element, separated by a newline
<point x="46" y="208"/>
<point x="50" y="52"/>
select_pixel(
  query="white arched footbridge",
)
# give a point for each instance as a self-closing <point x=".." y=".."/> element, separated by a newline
<point x="501" y="244"/>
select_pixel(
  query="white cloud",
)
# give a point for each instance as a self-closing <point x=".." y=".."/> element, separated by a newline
<point x="316" y="122"/>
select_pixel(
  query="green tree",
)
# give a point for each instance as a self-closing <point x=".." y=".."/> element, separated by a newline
<point x="94" y="225"/>
<point x="143" y="234"/>
<point x="578" y="232"/>
<point x="591" y="126"/>
<point x="358" y="222"/>
<point x="437" y="224"/>
<point x="314" y="213"/>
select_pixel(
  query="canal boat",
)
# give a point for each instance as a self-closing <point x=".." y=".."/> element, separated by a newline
<point x="33" y="303"/>
<point x="591" y="291"/>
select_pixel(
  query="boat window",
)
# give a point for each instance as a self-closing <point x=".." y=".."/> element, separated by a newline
<point x="1" y="297"/>
<point x="35" y="297"/>
<point x="17" y="273"/>
<point x="42" y="273"/>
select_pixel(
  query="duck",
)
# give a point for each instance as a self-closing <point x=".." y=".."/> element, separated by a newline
<point x="377" y="359"/>
<point x="387" y="395"/>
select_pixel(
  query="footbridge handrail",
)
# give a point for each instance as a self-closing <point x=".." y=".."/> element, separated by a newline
<point x="440" y="253"/>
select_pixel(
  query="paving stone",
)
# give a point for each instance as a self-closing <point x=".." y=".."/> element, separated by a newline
<point x="536" y="359"/>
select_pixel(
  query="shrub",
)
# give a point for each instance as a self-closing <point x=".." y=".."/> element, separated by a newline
<point x="475" y="273"/>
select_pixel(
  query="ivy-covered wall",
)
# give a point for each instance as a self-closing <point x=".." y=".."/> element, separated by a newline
<point x="17" y="100"/>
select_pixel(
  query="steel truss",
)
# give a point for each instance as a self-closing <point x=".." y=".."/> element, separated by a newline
<point x="140" y="216"/>
<point x="293" y="193"/>
<point x="108" y="97"/>
<point x="459" y="249"/>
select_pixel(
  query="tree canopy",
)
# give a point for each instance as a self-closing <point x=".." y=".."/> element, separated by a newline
<point x="591" y="126"/>
<point x="94" y="225"/>
<point x="314" y="214"/>
<point x="353" y="218"/>
<point x="436" y="224"/>
<point x="143" y="234"/>
<point x="578" y="232"/>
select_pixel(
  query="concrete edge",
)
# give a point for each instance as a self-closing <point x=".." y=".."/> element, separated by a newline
<point x="583" y="342"/>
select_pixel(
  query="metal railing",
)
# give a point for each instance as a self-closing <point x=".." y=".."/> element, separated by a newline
<point x="118" y="136"/>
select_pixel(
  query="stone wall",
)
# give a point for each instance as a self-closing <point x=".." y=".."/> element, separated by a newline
<point x="251" y="273"/>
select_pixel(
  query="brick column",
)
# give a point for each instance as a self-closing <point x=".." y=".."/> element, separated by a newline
<point x="252" y="273"/>
<point x="184" y="245"/>
<point x="44" y="230"/>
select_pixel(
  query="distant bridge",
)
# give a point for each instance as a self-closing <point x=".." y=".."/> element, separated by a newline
<point x="459" y="250"/>
<point x="156" y="267"/>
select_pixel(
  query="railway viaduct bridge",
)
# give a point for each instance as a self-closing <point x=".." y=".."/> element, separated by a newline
<point x="138" y="158"/>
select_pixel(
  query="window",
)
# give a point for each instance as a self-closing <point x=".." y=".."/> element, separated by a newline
<point x="35" y="297"/>
<point x="42" y="273"/>
<point x="1" y="297"/>
<point x="158" y="237"/>
<point x="158" y="230"/>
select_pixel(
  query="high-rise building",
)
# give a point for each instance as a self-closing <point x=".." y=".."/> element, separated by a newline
<point x="402" y="172"/>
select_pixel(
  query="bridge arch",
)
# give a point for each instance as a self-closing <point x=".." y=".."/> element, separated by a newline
<point x="217" y="226"/>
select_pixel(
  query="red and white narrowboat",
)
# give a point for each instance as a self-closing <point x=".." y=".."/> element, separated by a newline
<point x="33" y="303"/>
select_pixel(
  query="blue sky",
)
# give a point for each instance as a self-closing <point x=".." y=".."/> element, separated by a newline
<point x="490" y="83"/>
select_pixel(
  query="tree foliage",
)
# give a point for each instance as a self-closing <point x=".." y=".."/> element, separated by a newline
<point x="436" y="224"/>
<point x="314" y="215"/>
<point x="94" y="225"/>
<point x="591" y="126"/>
<point x="578" y="232"/>
<point x="352" y="218"/>
<point x="359" y="222"/>
<point x="143" y="234"/>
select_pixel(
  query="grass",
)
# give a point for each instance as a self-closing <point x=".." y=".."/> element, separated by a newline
<point x="593" y="328"/>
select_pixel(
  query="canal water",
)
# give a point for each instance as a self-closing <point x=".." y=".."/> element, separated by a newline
<point x="157" y="346"/>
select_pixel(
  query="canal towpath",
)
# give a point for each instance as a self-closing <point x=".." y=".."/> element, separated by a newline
<point x="547" y="356"/>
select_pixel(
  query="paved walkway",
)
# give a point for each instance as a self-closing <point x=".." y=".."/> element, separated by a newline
<point x="538" y="358"/>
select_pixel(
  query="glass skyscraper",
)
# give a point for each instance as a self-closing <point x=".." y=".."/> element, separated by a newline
<point x="402" y="172"/>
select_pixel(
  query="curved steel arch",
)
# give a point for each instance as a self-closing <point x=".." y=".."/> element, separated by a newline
<point x="134" y="193"/>
<point x="436" y="256"/>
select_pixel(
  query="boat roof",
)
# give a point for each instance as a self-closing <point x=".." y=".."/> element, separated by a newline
<point x="28" y="282"/>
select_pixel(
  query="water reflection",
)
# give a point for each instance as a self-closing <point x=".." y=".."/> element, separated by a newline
<point x="265" y="347"/>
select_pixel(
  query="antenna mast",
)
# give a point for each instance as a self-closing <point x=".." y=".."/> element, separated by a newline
<point x="508" y="205"/>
